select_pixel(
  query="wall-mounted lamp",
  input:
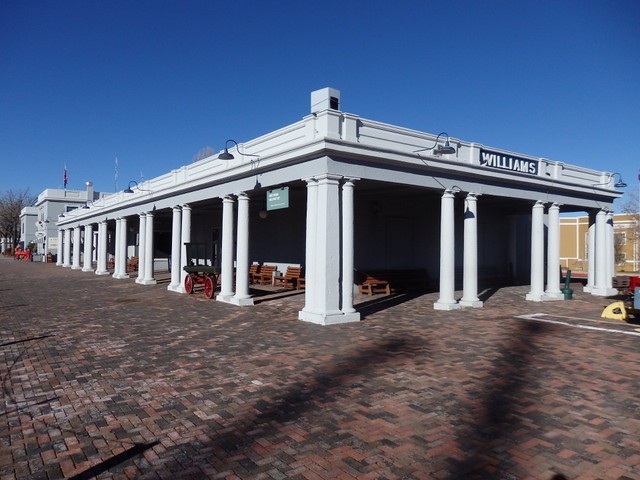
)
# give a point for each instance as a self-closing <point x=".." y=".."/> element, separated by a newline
<point x="133" y="182"/>
<point x="619" y="184"/>
<point x="445" y="149"/>
<point x="229" y="156"/>
<point x="128" y="189"/>
<point x="226" y="155"/>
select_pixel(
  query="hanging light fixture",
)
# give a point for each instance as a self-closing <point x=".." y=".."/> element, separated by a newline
<point x="619" y="184"/>
<point x="226" y="155"/>
<point x="445" y="149"/>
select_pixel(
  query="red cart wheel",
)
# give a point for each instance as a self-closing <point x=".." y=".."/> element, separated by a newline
<point x="209" y="287"/>
<point x="188" y="283"/>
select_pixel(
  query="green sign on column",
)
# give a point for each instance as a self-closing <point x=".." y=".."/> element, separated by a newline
<point x="278" y="198"/>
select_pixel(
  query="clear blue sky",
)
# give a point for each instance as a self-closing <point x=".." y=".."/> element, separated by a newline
<point x="153" y="82"/>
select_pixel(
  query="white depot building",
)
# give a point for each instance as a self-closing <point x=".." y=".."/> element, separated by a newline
<point x="339" y="194"/>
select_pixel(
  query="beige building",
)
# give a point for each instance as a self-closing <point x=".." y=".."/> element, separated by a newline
<point x="574" y="249"/>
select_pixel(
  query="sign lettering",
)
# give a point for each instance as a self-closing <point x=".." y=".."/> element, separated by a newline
<point x="508" y="162"/>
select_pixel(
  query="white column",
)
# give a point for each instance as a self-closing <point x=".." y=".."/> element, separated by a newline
<point x="76" y="249"/>
<point x="226" y="267"/>
<point x="94" y="246"/>
<point x="347" y="247"/>
<point x="142" y="239"/>
<point x="121" y="249"/>
<point x="447" y="300"/>
<point x="537" y="253"/>
<point x="185" y="234"/>
<point x="611" y="250"/>
<point x="553" y="254"/>
<point x="242" y="296"/>
<point x="60" y="254"/>
<point x="176" y="226"/>
<point x="326" y="280"/>
<point x="148" y="252"/>
<point x="310" y="247"/>
<point x="591" y="253"/>
<point x="470" y="280"/>
<point x="67" y="249"/>
<point x="601" y="287"/>
<point x="116" y="250"/>
<point x="88" y="248"/>
<point x="102" y="249"/>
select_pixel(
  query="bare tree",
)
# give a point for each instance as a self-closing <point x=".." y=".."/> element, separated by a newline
<point x="11" y="204"/>
<point x="203" y="153"/>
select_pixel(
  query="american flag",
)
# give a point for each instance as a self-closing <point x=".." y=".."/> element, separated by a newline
<point x="65" y="178"/>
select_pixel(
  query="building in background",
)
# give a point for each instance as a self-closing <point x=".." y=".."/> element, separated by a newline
<point x="51" y="206"/>
<point x="28" y="217"/>
<point x="574" y="247"/>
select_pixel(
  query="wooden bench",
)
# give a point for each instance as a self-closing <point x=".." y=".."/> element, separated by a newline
<point x="133" y="264"/>
<point x="387" y="281"/>
<point x="289" y="279"/>
<point x="265" y="277"/>
<point x="254" y="271"/>
<point x="372" y="283"/>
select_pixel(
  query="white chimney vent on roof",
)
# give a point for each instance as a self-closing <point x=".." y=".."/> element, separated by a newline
<point x="325" y="99"/>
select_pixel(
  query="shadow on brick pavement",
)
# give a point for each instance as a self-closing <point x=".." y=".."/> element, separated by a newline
<point x="105" y="378"/>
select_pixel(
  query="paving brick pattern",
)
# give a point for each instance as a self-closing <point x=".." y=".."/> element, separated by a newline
<point x="104" y="378"/>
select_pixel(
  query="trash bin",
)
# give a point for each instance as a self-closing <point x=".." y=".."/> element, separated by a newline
<point x="568" y="293"/>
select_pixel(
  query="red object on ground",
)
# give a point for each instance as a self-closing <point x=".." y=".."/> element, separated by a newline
<point x="633" y="283"/>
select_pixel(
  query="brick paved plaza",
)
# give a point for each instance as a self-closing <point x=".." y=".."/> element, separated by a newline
<point x="104" y="378"/>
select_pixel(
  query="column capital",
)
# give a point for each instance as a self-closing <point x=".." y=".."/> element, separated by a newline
<point x="310" y="181"/>
<point x="350" y="180"/>
<point x="329" y="178"/>
<point x="449" y="193"/>
<point x="473" y="195"/>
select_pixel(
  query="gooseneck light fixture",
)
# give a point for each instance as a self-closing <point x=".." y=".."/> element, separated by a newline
<point x="128" y="189"/>
<point x="619" y="184"/>
<point x="226" y="155"/>
<point x="229" y="156"/>
<point x="445" y="149"/>
<point x="133" y="182"/>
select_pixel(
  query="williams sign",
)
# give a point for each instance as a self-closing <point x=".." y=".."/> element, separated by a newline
<point x="508" y="162"/>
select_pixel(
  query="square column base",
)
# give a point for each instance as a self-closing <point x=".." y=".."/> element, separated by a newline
<point x="87" y="269"/>
<point x="176" y="288"/>
<point x="534" y="297"/>
<point x="550" y="297"/>
<point x="120" y="276"/>
<point x="328" y="318"/>
<point x="604" y="292"/>
<point x="151" y="281"/>
<point x="102" y="272"/>
<point x="76" y="267"/>
<point x="587" y="288"/>
<point x="471" y="303"/>
<point x="241" y="301"/>
<point x="446" y="305"/>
